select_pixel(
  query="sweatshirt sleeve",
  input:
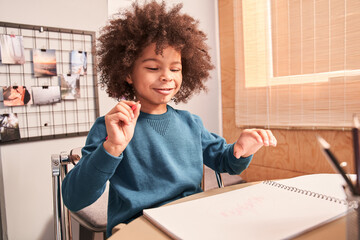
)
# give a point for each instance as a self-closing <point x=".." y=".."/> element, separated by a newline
<point x="218" y="155"/>
<point x="86" y="182"/>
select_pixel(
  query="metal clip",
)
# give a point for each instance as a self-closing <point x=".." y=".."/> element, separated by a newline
<point x="55" y="164"/>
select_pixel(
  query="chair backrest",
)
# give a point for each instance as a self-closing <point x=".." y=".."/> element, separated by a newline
<point x="93" y="217"/>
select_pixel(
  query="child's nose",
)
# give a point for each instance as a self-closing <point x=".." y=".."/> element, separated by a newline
<point x="164" y="79"/>
<point x="167" y="76"/>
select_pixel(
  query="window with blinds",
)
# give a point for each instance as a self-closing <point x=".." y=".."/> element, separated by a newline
<point x="297" y="63"/>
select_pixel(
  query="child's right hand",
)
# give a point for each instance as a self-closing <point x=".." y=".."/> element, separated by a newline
<point x="120" y="125"/>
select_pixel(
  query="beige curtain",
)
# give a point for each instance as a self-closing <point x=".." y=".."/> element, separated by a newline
<point x="297" y="63"/>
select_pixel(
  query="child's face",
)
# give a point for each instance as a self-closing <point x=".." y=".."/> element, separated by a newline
<point x="156" y="78"/>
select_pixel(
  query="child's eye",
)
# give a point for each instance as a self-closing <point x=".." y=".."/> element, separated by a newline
<point x="175" y="70"/>
<point x="152" y="69"/>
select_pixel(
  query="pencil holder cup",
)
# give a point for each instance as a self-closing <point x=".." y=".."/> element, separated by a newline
<point x="353" y="215"/>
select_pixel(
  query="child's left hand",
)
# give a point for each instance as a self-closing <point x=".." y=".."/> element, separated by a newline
<point x="251" y="140"/>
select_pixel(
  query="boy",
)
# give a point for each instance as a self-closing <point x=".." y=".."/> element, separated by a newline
<point x="150" y="152"/>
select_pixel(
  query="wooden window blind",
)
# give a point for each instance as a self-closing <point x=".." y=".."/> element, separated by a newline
<point x="297" y="63"/>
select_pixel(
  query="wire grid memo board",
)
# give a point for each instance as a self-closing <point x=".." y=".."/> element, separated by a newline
<point x="63" y="117"/>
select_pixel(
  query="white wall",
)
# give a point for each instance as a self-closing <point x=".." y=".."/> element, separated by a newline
<point x="25" y="169"/>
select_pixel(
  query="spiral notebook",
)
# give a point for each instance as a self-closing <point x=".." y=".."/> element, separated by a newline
<point x="269" y="210"/>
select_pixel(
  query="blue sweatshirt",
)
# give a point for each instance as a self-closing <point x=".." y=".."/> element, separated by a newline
<point x="163" y="162"/>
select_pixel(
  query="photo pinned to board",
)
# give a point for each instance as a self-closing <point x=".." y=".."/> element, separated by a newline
<point x="16" y="96"/>
<point x="45" y="95"/>
<point x="44" y="62"/>
<point x="78" y="62"/>
<point x="11" y="49"/>
<point x="70" y="86"/>
<point x="9" y="127"/>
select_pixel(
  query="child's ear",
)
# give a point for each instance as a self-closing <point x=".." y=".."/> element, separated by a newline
<point x="128" y="79"/>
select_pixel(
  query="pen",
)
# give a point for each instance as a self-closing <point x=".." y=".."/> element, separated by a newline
<point x="133" y="107"/>
<point x="325" y="146"/>
<point x="355" y="135"/>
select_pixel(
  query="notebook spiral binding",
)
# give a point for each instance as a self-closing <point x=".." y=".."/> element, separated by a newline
<point x="350" y="204"/>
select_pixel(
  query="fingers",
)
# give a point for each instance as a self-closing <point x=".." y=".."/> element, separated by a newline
<point x="272" y="139"/>
<point x="125" y="111"/>
<point x="119" y="117"/>
<point x="251" y="140"/>
<point x="267" y="137"/>
<point x="136" y="109"/>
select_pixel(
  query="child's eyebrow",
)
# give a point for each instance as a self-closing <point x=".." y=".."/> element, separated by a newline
<point x="150" y="59"/>
<point x="157" y="60"/>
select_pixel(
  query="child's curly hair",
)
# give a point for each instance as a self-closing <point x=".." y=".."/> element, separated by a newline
<point x="124" y="38"/>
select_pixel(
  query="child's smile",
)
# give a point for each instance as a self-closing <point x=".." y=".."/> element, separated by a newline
<point x="164" y="91"/>
<point x="156" y="78"/>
